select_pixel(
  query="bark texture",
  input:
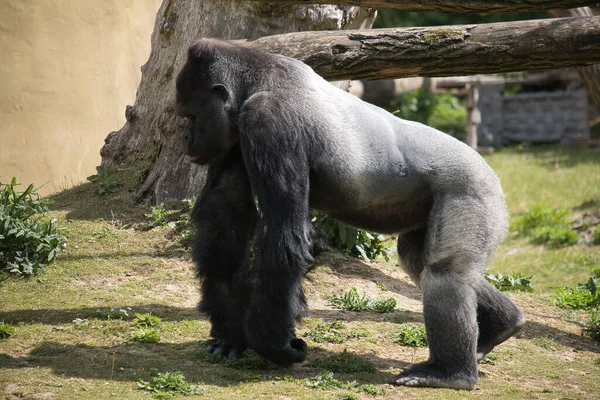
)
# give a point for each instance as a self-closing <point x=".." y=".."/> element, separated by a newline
<point x="590" y="75"/>
<point x="453" y="6"/>
<point x="152" y="131"/>
<point x="443" y="51"/>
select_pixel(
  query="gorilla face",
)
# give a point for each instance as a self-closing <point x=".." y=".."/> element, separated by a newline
<point x="207" y="106"/>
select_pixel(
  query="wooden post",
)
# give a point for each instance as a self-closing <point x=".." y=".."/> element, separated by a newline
<point x="473" y="114"/>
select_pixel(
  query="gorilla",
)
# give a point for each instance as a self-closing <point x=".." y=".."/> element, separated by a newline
<point x="279" y="139"/>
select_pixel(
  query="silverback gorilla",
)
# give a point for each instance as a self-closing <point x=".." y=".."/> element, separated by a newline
<point x="279" y="139"/>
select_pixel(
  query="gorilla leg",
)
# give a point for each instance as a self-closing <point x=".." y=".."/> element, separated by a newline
<point x="225" y="217"/>
<point x="456" y="299"/>
<point x="497" y="316"/>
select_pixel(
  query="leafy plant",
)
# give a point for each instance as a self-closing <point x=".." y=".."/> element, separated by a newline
<point x="145" y="335"/>
<point x="6" y="330"/>
<point x="412" y="335"/>
<point x="515" y="282"/>
<point x="344" y="363"/>
<point x="103" y="180"/>
<point x="592" y="327"/>
<point x="161" y="216"/>
<point x="597" y="235"/>
<point x="371" y="390"/>
<point x="354" y="242"/>
<point x="29" y="241"/>
<point x="146" y="320"/>
<point x="582" y="295"/>
<point x="547" y="226"/>
<point x="441" y="111"/>
<point x="174" y="214"/>
<point x="169" y="384"/>
<point x="352" y="301"/>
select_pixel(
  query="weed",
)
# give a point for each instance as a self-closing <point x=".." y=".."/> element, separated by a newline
<point x="251" y="361"/>
<point x="169" y="384"/>
<point x="354" y="242"/>
<point x="79" y="323"/>
<point x="592" y="327"/>
<point x="6" y="330"/>
<point x="103" y="180"/>
<point x="582" y="296"/>
<point x="489" y="359"/>
<point x="514" y="282"/>
<point x="554" y="236"/>
<point x="112" y="313"/>
<point x="145" y="335"/>
<point x="327" y="334"/>
<point x="325" y="380"/>
<point x="28" y="240"/>
<point x="545" y="343"/>
<point x="547" y="226"/>
<point x="146" y="320"/>
<point x="175" y="215"/>
<point x="161" y="216"/>
<point x="371" y="390"/>
<point x="352" y="301"/>
<point x="597" y="235"/>
<point x="344" y="363"/>
<point x="412" y="335"/>
<point x="349" y="396"/>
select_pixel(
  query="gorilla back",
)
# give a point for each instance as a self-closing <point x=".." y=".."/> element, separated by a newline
<point x="273" y="131"/>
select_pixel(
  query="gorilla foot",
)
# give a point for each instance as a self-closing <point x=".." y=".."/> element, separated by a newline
<point x="293" y="352"/>
<point x="486" y="347"/>
<point x="218" y="347"/>
<point x="428" y="375"/>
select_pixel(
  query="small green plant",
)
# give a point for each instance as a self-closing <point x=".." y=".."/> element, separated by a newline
<point x="597" y="235"/>
<point x="554" y="236"/>
<point x="169" y="384"/>
<point x="161" y="216"/>
<point x="344" y="363"/>
<point x="352" y="301"/>
<point x="489" y="359"/>
<point x="546" y="225"/>
<point x="354" y="242"/>
<point x="592" y="327"/>
<point x="325" y="380"/>
<point x="332" y="333"/>
<point x="103" y="180"/>
<point x="514" y="282"/>
<point x="29" y="241"/>
<point x="412" y="335"/>
<point x="371" y="390"/>
<point x="6" y="330"/>
<point x="581" y="296"/>
<point x="145" y="335"/>
<point x="112" y="313"/>
<point x="146" y="320"/>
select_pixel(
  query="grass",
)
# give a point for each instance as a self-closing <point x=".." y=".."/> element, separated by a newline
<point x="73" y="324"/>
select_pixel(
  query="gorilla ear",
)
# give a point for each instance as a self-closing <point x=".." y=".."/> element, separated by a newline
<point x="223" y="91"/>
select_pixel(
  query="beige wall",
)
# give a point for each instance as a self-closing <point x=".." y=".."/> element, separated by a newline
<point x="68" y="68"/>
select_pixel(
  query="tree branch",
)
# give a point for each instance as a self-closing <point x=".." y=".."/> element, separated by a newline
<point x="442" y="51"/>
<point x="451" y="6"/>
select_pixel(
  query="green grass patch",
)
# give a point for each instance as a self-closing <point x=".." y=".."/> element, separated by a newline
<point x="411" y="334"/>
<point x="112" y="313"/>
<point x="6" y="330"/>
<point x="169" y="384"/>
<point x="546" y="225"/>
<point x="344" y="363"/>
<point x="334" y="332"/>
<point x="353" y="301"/>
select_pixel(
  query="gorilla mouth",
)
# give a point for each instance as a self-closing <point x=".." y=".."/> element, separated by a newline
<point x="194" y="159"/>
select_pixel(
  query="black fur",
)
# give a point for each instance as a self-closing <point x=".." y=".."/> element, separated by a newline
<point x="279" y="139"/>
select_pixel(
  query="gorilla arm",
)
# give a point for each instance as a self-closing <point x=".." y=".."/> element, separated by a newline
<point x="280" y="181"/>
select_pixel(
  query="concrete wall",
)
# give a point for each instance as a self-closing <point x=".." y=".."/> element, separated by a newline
<point x="68" y="68"/>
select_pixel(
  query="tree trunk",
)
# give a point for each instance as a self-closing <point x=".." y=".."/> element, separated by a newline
<point x="590" y="75"/>
<point x="443" y="50"/>
<point x="151" y="135"/>
<point x="452" y="6"/>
